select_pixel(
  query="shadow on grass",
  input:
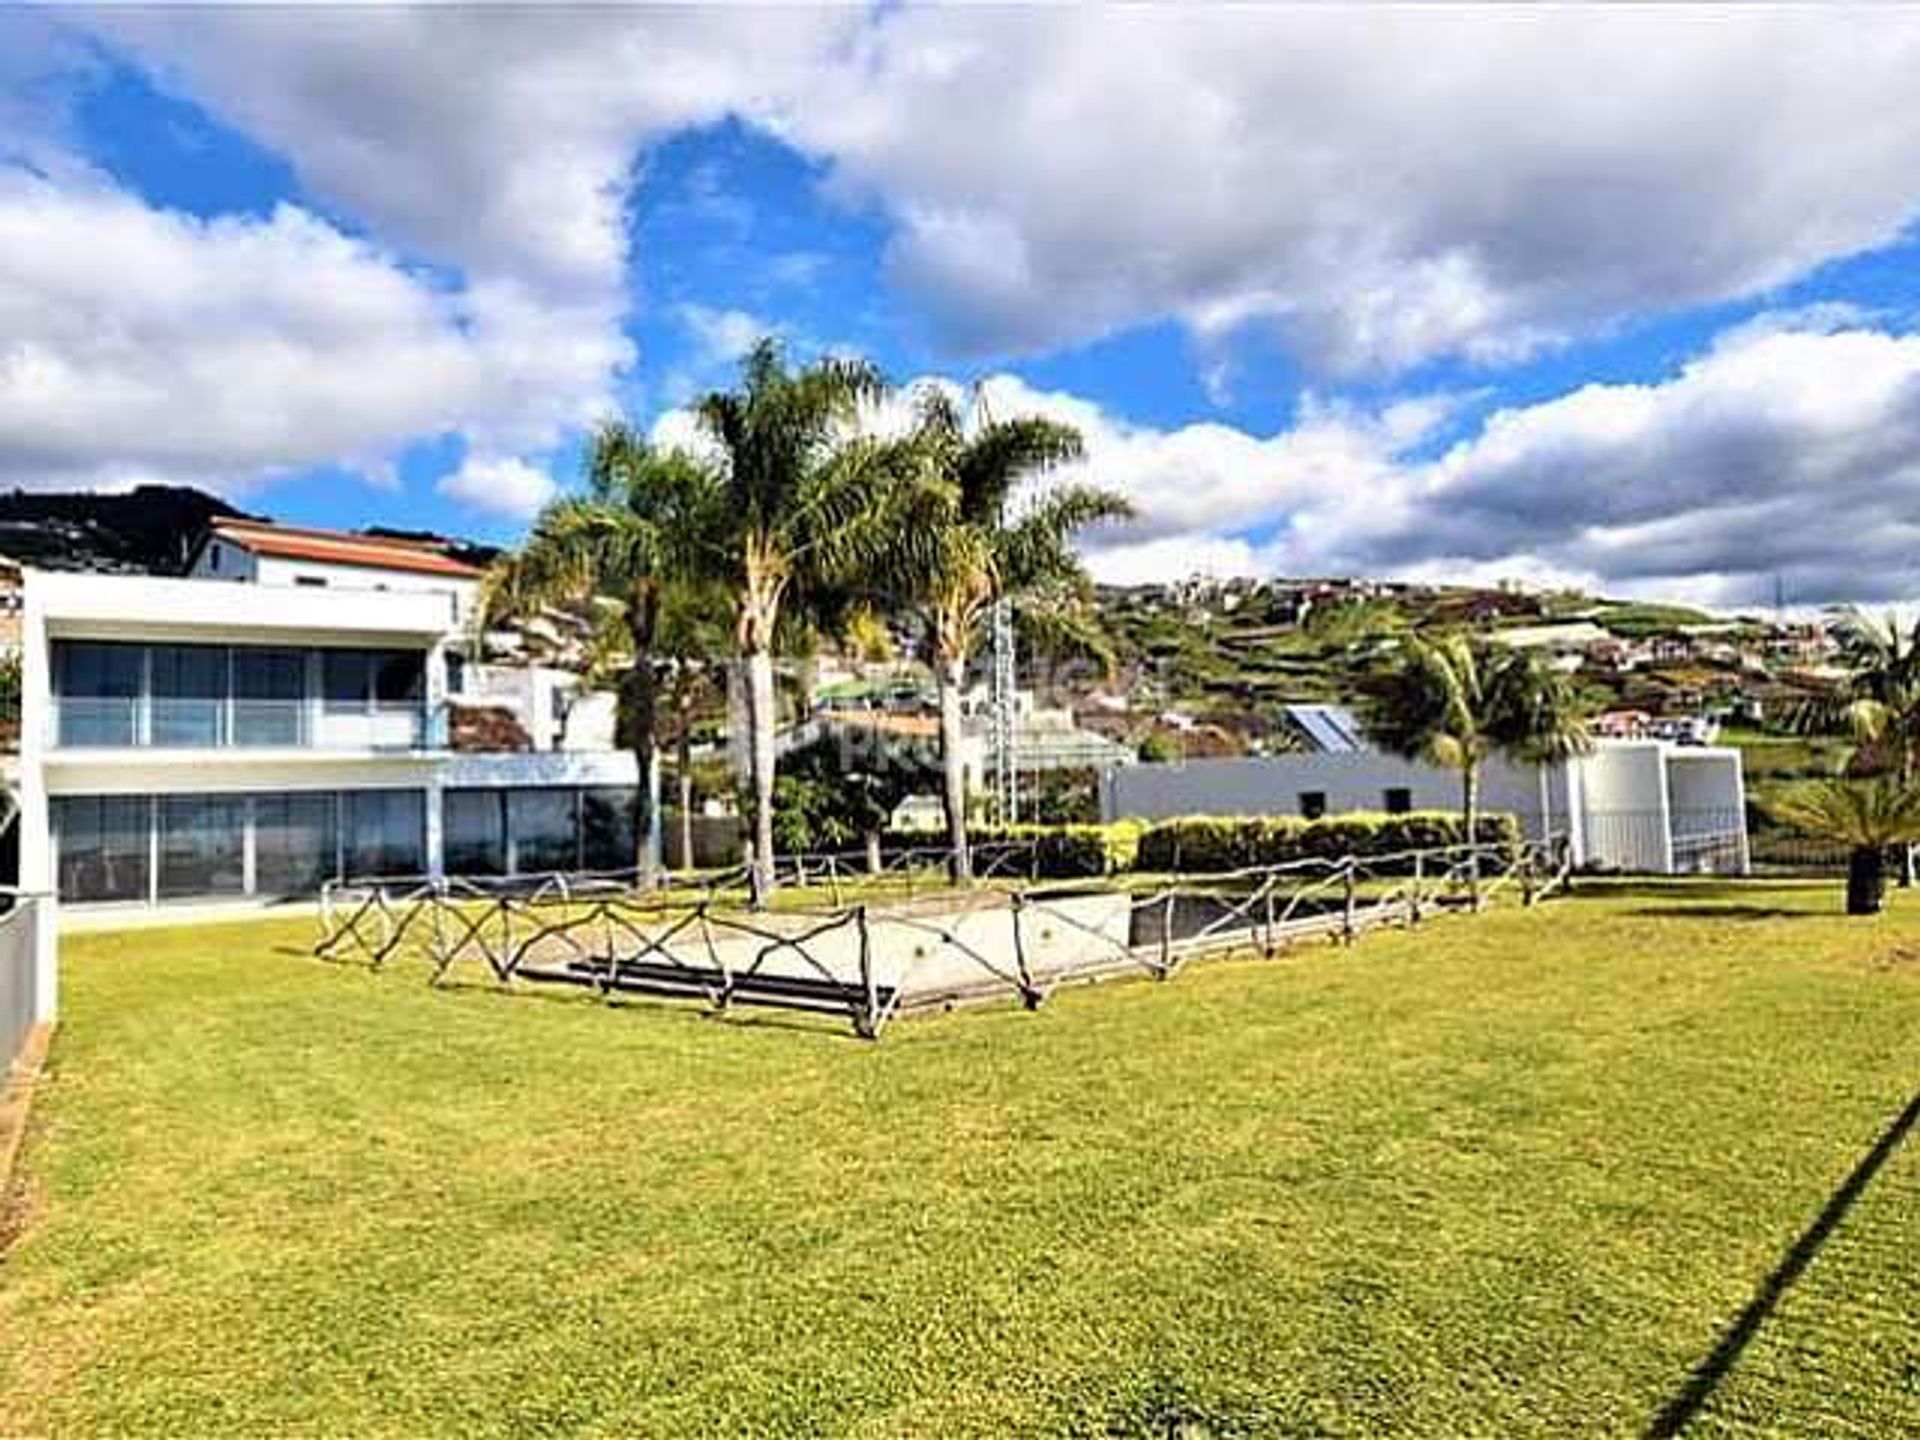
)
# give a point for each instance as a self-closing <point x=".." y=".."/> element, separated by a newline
<point x="1721" y="912"/>
<point x="1688" y="1401"/>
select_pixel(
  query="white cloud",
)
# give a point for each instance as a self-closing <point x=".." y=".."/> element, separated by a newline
<point x="1380" y="186"/>
<point x="499" y="485"/>
<point x="1778" y="452"/>
<point x="141" y="343"/>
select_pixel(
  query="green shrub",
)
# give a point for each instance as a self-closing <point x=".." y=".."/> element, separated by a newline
<point x="1213" y="843"/>
<point x="1058" y="852"/>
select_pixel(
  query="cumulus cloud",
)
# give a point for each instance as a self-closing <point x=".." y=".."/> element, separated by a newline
<point x="499" y="485"/>
<point x="146" y="344"/>
<point x="1382" y="187"/>
<point x="1780" y="451"/>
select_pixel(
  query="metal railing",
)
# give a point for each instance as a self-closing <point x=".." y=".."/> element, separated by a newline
<point x="1647" y="840"/>
<point x="870" y="962"/>
<point x="159" y="722"/>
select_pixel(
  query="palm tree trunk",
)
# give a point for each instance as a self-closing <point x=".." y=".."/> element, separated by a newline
<point x="760" y="727"/>
<point x="1470" y="825"/>
<point x="683" y="777"/>
<point x="645" y="688"/>
<point x="950" y="672"/>
<point x="1866" y="879"/>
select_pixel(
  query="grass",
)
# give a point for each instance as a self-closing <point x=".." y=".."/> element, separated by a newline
<point x="1515" y="1175"/>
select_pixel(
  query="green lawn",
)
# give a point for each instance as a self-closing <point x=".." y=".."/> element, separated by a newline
<point x="1514" y="1175"/>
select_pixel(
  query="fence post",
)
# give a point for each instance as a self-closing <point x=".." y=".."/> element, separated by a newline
<point x="1267" y="907"/>
<point x="1526" y="876"/>
<point x="1419" y="879"/>
<point x="1346" y="918"/>
<point x="867" y="1023"/>
<point x="1029" y="992"/>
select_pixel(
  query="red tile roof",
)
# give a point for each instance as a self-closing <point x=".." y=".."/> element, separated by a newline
<point x="337" y="547"/>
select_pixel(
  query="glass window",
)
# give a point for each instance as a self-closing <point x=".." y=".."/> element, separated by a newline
<point x="269" y="697"/>
<point x="474" y="832"/>
<point x="385" y="832"/>
<point x="399" y="677"/>
<point x="202" y="845"/>
<point x="1398" y="800"/>
<point x="1313" y="803"/>
<point x="98" y="687"/>
<point x="189" y="695"/>
<point x="101" y="847"/>
<point x="344" y="681"/>
<point x="456" y="673"/>
<point x="543" y="829"/>
<point x="295" y="844"/>
<point x="606" y="829"/>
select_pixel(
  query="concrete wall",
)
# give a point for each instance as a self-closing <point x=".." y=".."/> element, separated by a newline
<point x="1273" y="785"/>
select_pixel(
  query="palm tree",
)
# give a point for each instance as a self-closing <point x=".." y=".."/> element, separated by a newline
<point x="1455" y="702"/>
<point x="971" y="545"/>
<point x="1882" y="697"/>
<point x="616" y="552"/>
<point x="1866" y="816"/>
<point x="804" y="500"/>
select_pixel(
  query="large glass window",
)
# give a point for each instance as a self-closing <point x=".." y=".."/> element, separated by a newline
<point x="345" y="682"/>
<point x="544" y="828"/>
<point x="399" y="677"/>
<point x="202" y="845"/>
<point x="295" y="845"/>
<point x="101" y="847"/>
<point x="385" y="832"/>
<point x="606" y="829"/>
<point x="189" y="695"/>
<point x="269" y="697"/>
<point x="473" y="827"/>
<point x="98" y="689"/>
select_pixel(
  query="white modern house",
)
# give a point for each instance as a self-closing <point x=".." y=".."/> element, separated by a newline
<point x="1641" y="805"/>
<point x="294" y="709"/>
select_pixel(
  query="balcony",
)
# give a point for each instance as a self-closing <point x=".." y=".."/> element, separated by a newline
<point x="133" y="723"/>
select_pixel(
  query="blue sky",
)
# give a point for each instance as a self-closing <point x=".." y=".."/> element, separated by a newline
<point x="1450" y="294"/>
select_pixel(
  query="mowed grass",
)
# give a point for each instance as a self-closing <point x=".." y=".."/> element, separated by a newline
<point x="1512" y="1175"/>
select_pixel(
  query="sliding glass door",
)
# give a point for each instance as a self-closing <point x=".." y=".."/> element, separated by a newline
<point x="203" y="846"/>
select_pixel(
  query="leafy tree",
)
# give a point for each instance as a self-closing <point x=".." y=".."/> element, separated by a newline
<point x="971" y="540"/>
<point x="1866" y="816"/>
<point x="1457" y="702"/>
<point x="620" y="554"/>
<point x="843" y="788"/>
<point x="805" y="498"/>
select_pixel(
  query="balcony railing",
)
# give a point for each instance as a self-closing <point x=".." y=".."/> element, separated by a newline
<point x="173" y="724"/>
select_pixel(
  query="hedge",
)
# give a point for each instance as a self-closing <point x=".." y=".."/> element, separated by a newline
<point x="1203" y="843"/>
<point x="1059" y="852"/>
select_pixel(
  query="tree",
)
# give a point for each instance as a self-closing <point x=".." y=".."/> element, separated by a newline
<point x="1456" y="702"/>
<point x="1866" y="816"/>
<point x="1882" y="698"/>
<point x="845" y="786"/>
<point x="617" y="553"/>
<point x="805" y="497"/>
<point x="973" y="541"/>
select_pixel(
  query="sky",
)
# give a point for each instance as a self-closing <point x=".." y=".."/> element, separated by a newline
<point x="1622" y="298"/>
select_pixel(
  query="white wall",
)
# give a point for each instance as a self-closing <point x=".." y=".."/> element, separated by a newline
<point x="1272" y="785"/>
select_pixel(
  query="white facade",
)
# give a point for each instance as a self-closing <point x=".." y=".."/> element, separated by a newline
<point x="1640" y="805"/>
<point x="268" y="734"/>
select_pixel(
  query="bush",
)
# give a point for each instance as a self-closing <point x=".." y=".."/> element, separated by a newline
<point x="1059" y="852"/>
<point x="1213" y="843"/>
